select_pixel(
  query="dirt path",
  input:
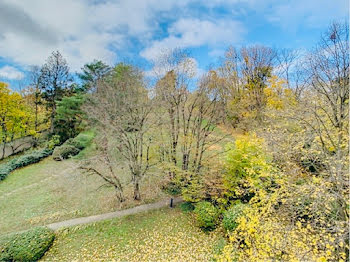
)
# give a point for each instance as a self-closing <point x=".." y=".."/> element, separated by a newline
<point x="121" y="213"/>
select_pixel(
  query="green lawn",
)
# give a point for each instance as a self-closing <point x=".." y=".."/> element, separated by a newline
<point x="52" y="191"/>
<point x="161" y="235"/>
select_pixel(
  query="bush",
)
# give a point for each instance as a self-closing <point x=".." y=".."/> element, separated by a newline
<point x="54" y="141"/>
<point x="231" y="215"/>
<point x="186" y="207"/>
<point x="64" y="152"/>
<point x="248" y="168"/>
<point x="32" y="157"/>
<point x="30" y="245"/>
<point x="75" y="143"/>
<point x="25" y="160"/>
<point x="207" y="215"/>
<point x="73" y="146"/>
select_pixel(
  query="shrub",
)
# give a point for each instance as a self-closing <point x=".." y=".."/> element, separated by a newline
<point x="207" y="215"/>
<point x="75" y="143"/>
<point x="186" y="206"/>
<point x="32" y="157"/>
<point x="5" y="170"/>
<point x="231" y="216"/>
<point x="247" y="168"/>
<point x="53" y="142"/>
<point x="73" y="146"/>
<point x="172" y="188"/>
<point x="24" y="160"/>
<point x="26" y="246"/>
<point x="64" y="152"/>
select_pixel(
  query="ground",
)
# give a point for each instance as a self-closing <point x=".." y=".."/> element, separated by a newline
<point x="162" y="235"/>
<point x="52" y="191"/>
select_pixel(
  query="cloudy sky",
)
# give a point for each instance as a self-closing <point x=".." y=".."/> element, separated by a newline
<point x="137" y="30"/>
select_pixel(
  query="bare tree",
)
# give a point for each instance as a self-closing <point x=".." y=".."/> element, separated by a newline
<point x="329" y="79"/>
<point x="108" y="175"/>
<point x="324" y="107"/>
<point x="122" y="107"/>
<point x="191" y="116"/>
<point x="287" y="59"/>
<point x="256" y="65"/>
<point x="228" y="82"/>
<point x="35" y="82"/>
<point x="55" y="81"/>
<point x="291" y="67"/>
<point x="176" y="71"/>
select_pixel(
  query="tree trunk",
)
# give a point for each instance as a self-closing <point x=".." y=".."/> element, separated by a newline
<point x="52" y="120"/>
<point x="119" y="194"/>
<point x="137" y="195"/>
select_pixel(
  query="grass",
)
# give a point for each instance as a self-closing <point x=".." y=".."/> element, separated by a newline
<point x="52" y="191"/>
<point x="46" y="192"/>
<point x="160" y="235"/>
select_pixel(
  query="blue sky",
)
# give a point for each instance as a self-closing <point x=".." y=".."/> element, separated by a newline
<point x="138" y="30"/>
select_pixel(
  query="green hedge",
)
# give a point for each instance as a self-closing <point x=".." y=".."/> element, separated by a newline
<point x="28" y="246"/>
<point x="75" y="142"/>
<point x="207" y="215"/>
<point x="24" y="160"/>
<point x="65" y="151"/>
<point x="72" y="146"/>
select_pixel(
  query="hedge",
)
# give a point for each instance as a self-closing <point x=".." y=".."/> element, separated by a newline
<point x="207" y="215"/>
<point x="72" y="146"/>
<point x="24" y="160"/>
<point x="28" y="246"/>
<point x="65" y="151"/>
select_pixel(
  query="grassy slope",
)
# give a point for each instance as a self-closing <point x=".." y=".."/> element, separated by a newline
<point x="161" y="235"/>
<point x="52" y="191"/>
<point x="49" y="191"/>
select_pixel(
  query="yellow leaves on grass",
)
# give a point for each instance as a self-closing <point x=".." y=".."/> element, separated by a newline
<point x="169" y="237"/>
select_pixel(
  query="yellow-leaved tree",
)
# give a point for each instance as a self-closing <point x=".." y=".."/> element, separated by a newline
<point x="15" y="118"/>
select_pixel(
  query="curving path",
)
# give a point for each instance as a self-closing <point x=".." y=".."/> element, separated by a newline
<point x="121" y="213"/>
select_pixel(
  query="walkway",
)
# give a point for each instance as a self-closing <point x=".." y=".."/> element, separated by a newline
<point x="121" y="213"/>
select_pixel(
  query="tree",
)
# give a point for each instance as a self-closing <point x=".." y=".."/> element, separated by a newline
<point x="122" y="108"/>
<point x="188" y="120"/>
<point x="35" y="82"/>
<point x="257" y="65"/>
<point x="329" y="82"/>
<point x="14" y="118"/>
<point x="55" y="82"/>
<point x="69" y="116"/>
<point x="108" y="175"/>
<point x="92" y="73"/>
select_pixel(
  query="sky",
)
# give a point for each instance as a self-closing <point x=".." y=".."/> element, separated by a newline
<point x="137" y="31"/>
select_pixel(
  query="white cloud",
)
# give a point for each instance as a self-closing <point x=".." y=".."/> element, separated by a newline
<point x="186" y="33"/>
<point x="82" y="30"/>
<point x="191" y="66"/>
<point x="10" y="72"/>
